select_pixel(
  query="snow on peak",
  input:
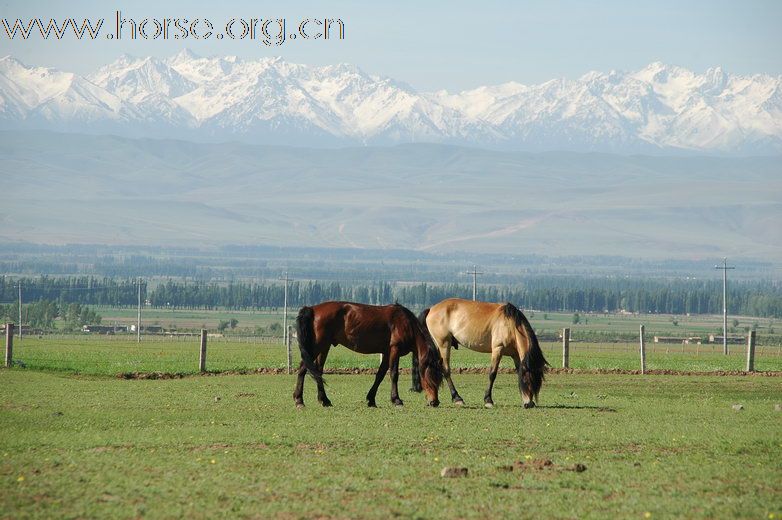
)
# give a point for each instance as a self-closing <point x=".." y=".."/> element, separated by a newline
<point x="182" y="56"/>
<point x="267" y="99"/>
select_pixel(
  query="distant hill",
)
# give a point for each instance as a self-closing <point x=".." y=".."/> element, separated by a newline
<point x="70" y="188"/>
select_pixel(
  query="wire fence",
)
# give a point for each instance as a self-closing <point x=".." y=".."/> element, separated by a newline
<point x="122" y="354"/>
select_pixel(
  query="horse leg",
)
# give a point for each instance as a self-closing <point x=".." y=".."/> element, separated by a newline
<point x="394" y="363"/>
<point x="445" y="353"/>
<point x="416" y="375"/>
<point x="496" y="356"/>
<point x="525" y="398"/>
<point x="321" y="361"/>
<point x="298" y="392"/>
<point x="381" y="373"/>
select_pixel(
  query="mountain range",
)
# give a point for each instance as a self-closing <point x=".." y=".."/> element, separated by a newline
<point x="660" y="109"/>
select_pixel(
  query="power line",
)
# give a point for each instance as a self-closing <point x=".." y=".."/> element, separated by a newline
<point x="474" y="274"/>
<point x="724" y="268"/>
<point x="20" y="310"/>
<point x="286" y="279"/>
<point x="138" y="317"/>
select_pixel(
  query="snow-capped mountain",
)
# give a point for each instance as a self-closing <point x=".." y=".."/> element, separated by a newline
<point x="658" y="108"/>
<point x="48" y="97"/>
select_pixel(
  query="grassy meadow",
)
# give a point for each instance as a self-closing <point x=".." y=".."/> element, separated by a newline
<point x="113" y="355"/>
<point x="598" y="342"/>
<point x="201" y="447"/>
<point x="543" y="322"/>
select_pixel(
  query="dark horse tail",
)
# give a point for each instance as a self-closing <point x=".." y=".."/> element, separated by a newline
<point x="533" y="365"/>
<point x="306" y="333"/>
<point x="416" y="371"/>
<point x="429" y="367"/>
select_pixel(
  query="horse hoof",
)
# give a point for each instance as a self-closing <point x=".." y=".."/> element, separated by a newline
<point x="434" y="404"/>
<point x="530" y="404"/>
<point x="488" y="405"/>
<point x="326" y="404"/>
<point x="371" y="404"/>
<point x="299" y="405"/>
<point x="459" y="402"/>
<point x="398" y="402"/>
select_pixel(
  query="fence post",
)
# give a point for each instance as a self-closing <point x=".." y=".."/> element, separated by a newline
<point x="643" y="350"/>
<point x="288" y="347"/>
<point x="566" y="348"/>
<point x="751" y="351"/>
<point x="202" y="357"/>
<point x="9" y="344"/>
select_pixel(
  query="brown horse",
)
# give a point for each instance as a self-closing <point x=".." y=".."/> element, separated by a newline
<point x="389" y="330"/>
<point x="496" y="328"/>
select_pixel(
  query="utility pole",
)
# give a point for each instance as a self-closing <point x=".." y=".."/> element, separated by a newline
<point x="285" y="308"/>
<point x="20" y="309"/>
<point x="724" y="268"/>
<point x="138" y="316"/>
<point x="474" y="274"/>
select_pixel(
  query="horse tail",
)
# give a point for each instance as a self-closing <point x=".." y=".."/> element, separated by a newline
<point x="416" y="371"/>
<point x="533" y="364"/>
<point x="431" y="368"/>
<point x="306" y="333"/>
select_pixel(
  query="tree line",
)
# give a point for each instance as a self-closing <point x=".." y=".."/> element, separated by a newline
<point x="545" y="293"/>
<point x="42" y="313"/>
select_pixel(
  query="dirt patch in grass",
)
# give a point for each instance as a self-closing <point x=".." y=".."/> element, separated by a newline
<point x="316" y="447"/>
<point x="537" y="465"/>
<point x="218" y="446"/>
<point x="464" y="370"/>
<point x="662" y="372"/>
<point x="150" y="375"/>
<point x="104" y="449"/>
<point x="224" y="446"/>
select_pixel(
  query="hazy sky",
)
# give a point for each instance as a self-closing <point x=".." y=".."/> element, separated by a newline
<point x="454" y="44"/>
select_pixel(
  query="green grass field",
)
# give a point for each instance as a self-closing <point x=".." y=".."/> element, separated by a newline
<point x="653" y="447"/>
<point x="543" y="322"/>
<point x="192" y="319"/>
<point x="112" y="355"/>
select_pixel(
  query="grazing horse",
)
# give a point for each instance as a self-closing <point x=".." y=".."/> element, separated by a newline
<point x="496" y="328"/>
<point x="389" y="330"/>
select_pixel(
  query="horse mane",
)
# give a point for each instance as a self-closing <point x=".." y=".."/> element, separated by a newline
<point x="534" y="364"/>
<point x="415" y="323"/>
<point x="512" y="312"/>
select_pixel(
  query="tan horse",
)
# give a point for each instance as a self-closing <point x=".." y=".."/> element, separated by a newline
<point x="494" y="328"/>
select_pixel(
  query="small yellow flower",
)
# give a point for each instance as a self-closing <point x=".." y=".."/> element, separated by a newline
<point x="20" y="479"/>
<point x="771" y="516"/>
<point x="527" y="457"/>
<point x="647" y="515"/>
<point x="436" y="459"/>
<point x="212" y="461"/>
